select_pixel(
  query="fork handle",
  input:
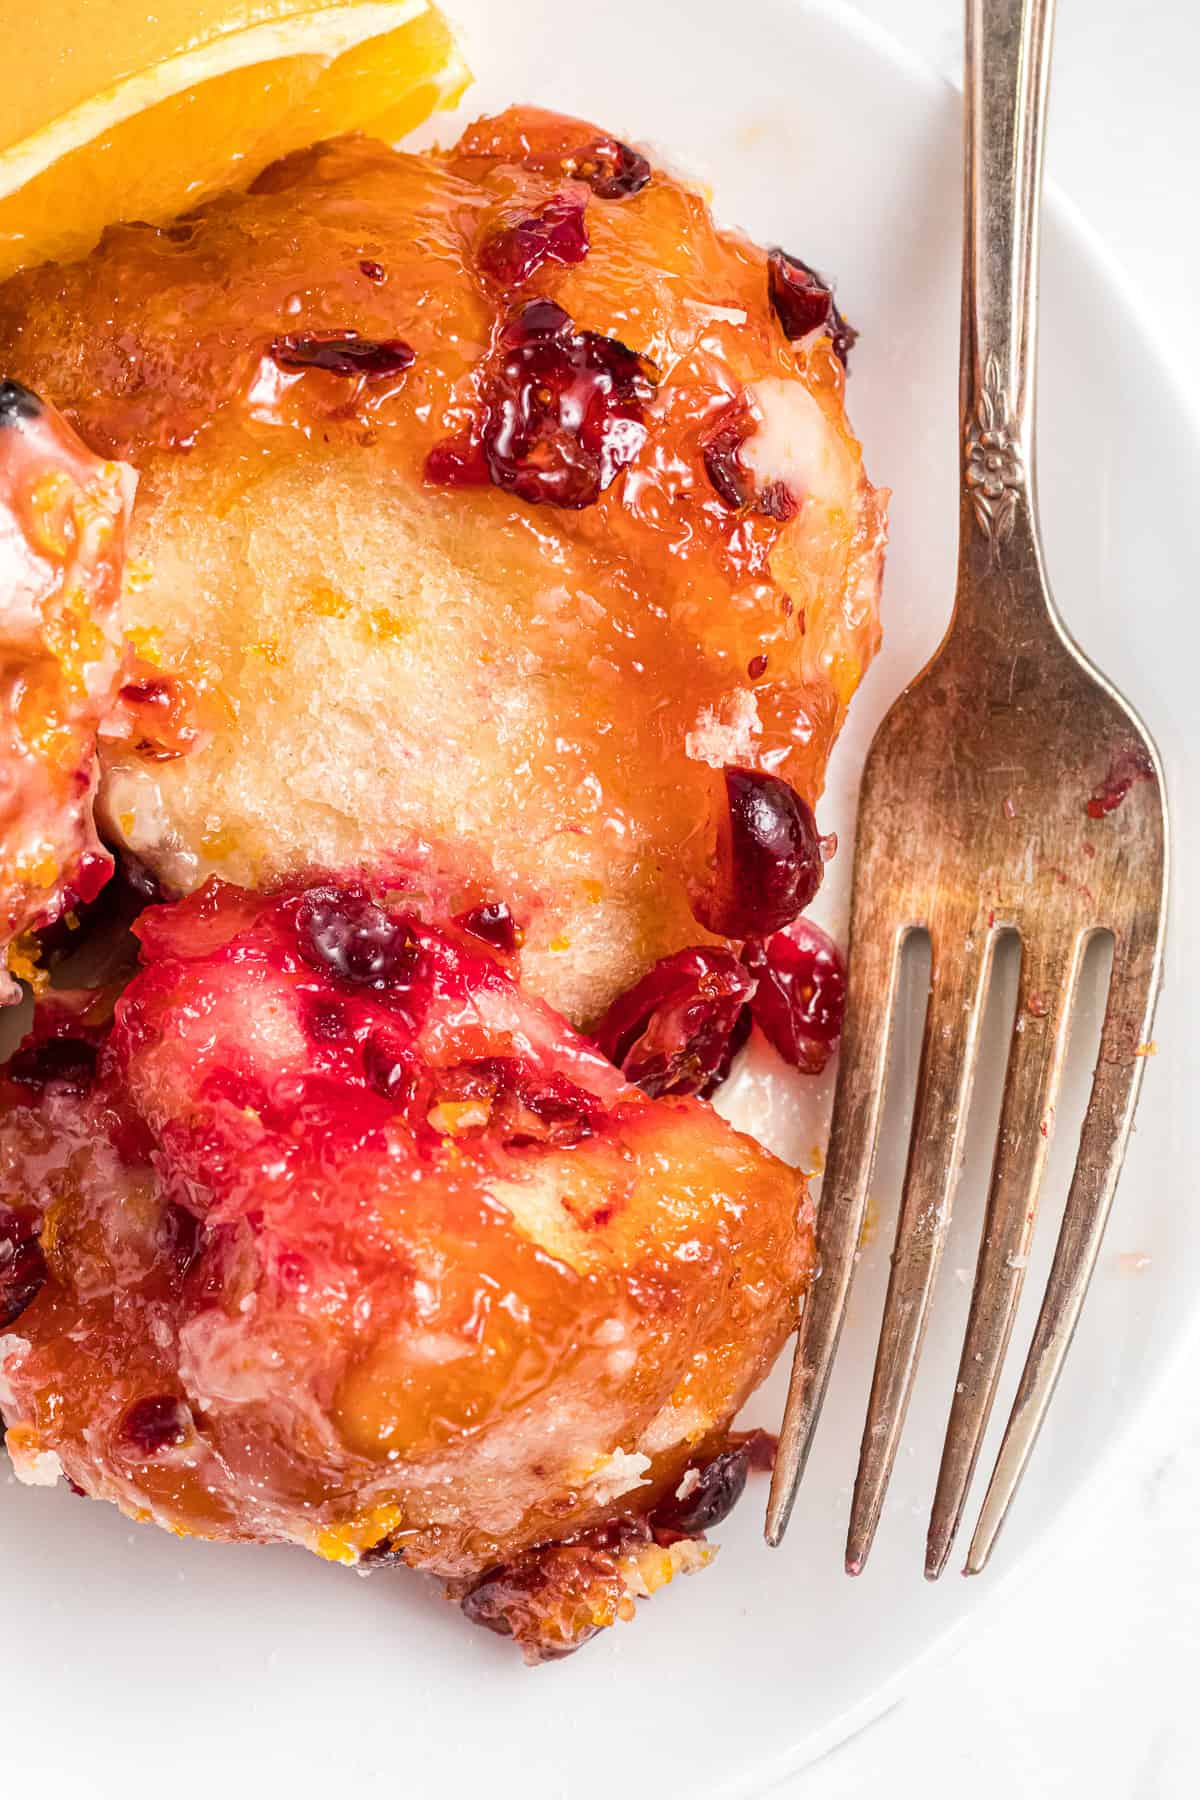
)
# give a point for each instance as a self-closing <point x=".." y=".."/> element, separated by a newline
<point x="1007" y="75"/>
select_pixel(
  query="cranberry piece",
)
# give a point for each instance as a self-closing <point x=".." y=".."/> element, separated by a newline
<point x="388" y="1065"/>
<point x="803" y="301"/>
<point x="524" y="1109"/>
<point x="494" y="924"/>
<point x="139" y="879"/>
<point x="344" y="353"/>
<point x="720" y="1486"/>
<point x="613" y="170"/>
<point x="777" y="501"/>
<point x="387" y="1554"/>
<point x="671" y="1032"/>
<point x="155" y="1423"/>
<point x="180" y="1236"/>
<point x="146" y="693"/>
<point x="801" y="996"/>
<point x="67" y="1063"/>
<point x="769" y="863"/>
<point x="326" y="1022"/>
<point x="761" y="1448"/>
<point x="556" y="1113"/>
<point x="722" y="451"/>
<point x="562" y="412"/>
<point x="342" y="930"/>
<point x="18" y="405"/>
<point x="737" y="1039"/>
<point x="510" y="254"/>
<point x="728" y="474"/>
<point x="22" y="1265"/>
<point x="457" y="462"/>
<point x="373" y="271"/>
<point x="90" y="874"/>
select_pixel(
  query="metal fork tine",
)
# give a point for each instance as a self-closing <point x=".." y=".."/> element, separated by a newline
<point x="948" y="1057"/>
<point x="1035" y="1064"/>
<point x="1115" y="1086"/>
<point x="866" y="1039"/>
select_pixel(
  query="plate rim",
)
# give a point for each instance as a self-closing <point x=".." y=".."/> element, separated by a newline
<point x="1144" y="1427"/>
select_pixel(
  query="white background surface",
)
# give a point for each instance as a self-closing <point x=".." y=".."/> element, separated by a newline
<point x="1082" y="1684"/>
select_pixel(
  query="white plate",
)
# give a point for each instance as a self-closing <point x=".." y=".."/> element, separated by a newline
<point x="132" y="1664"/>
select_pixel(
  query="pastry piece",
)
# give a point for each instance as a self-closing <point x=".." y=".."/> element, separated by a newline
<point x="493" y="503"/>
<point x="333" y="1236"/>
<point x="63" y="519"/>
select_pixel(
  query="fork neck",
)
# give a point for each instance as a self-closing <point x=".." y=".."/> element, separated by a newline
<point x="1007" y="72"/>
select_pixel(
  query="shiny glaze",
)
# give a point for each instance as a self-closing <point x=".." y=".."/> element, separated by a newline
<point x="381" y="663"/>
<point x="350" y="1242"/>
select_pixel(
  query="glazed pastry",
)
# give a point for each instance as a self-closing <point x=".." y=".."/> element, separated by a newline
<point x="63" y="518"/>
<point x="502" y="568"/>
<point x="492" y="502"/>
<point x="334" y="1237"/>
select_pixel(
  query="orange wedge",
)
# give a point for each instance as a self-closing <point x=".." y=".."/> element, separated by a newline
<point x="115" y="112"/>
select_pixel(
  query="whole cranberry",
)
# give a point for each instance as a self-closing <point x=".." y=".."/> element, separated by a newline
<point x="710" y="1499"/>
<point x="801" y="996"/>
<point x="768" y="858"/>
<point x="671" y="1033"/>
<point x="342" y="930"/>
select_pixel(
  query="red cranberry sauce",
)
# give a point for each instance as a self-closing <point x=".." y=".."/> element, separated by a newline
<point x="801" y="995"/>
<point x="555" y="233"/>
<point x="670" y="1034"/>
<point x="803" y="301"/>
<point x="561" y="412"/>
<point x="344" y="353"/>
<point x="768" y="858"/>
<point x="404" y="1029"/>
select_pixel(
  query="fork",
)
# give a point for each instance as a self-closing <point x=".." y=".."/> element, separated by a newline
<point x="1010" y="791"/>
